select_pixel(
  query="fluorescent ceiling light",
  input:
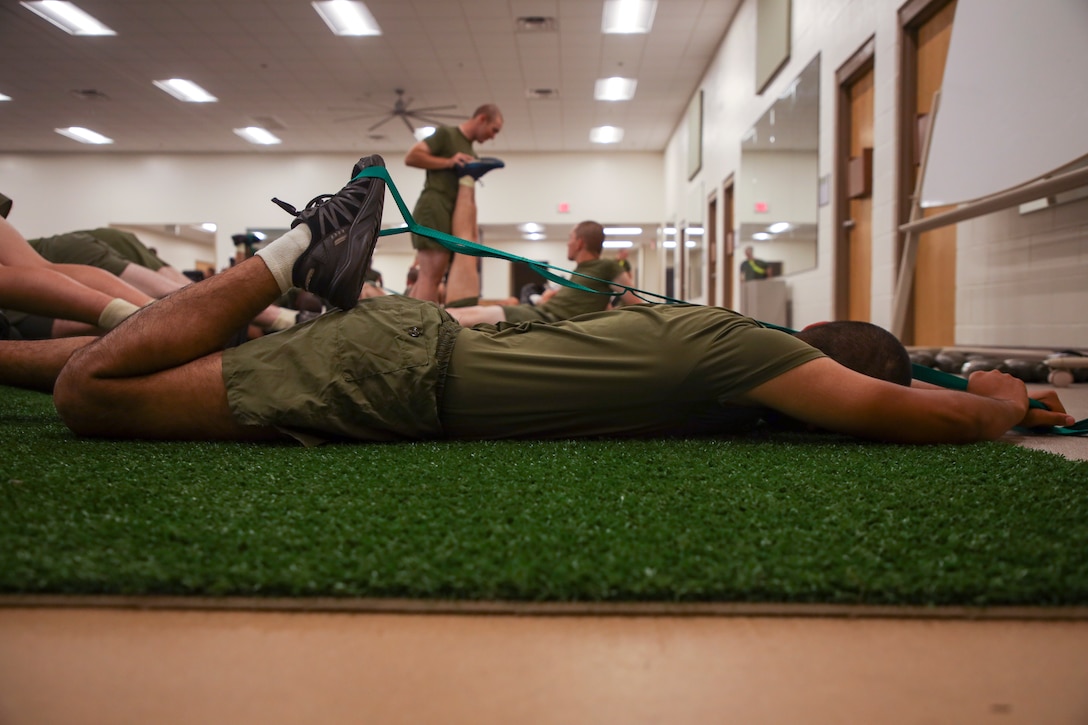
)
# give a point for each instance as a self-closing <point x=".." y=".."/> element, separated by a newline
<point x="694" y="231"/>
<point x="347" y="17"/>
<point x="615" y="89"/>
<point x="761" y="236"/>
<point x="628" y="16"/>
<point x="423" y="132"/>
<point x="689" y="244"/>
<point x="4" y="98"/>
<point x="669" y="245"/>
<point x="67" y="17"/>
<point x="623" y="230"/>
<point x="534" y="236"/>
<point x="257" y="135"/>
<point x="617" y="244"/>
<point x="185" y="90"/>
<point x="778" y="227"/>
<point x="530" y="227"/>
<point x="606" y="134"/>
<point x="83" y="135"/>
<point x="212" y="227"/>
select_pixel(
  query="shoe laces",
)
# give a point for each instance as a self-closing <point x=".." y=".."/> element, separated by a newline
<point x="332" y="210"/>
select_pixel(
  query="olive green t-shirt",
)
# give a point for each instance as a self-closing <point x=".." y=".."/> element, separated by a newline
<point x="570" y="302"/>
<point x="434" y="208"/>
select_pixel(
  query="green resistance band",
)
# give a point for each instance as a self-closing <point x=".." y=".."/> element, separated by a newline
<point x="463" y="246"/>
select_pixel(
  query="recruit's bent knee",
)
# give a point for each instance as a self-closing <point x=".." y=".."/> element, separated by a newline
<point x="74" y="397"/>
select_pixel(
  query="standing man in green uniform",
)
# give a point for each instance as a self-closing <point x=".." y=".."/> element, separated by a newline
<point x="584" y="247"/>
<point x="753" y="268"/>
<point x="448" y="202"/>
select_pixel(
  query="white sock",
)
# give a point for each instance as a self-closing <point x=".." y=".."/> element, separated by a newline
<point x="284" y="319"/>
<point x="116" y="312"/>
<point x="281" y="253"/>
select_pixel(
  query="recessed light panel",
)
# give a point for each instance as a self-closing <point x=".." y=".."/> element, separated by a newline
<point x="615" y="89"/>
<point x="257" y="135"/>
<point x="628" y="16"/>
<point x="185" y="90"/>
<point x="83" y="135"/>
<point x="347" y="17"/>
<point x="606" y="134"/>
<point x="67" y="17"/>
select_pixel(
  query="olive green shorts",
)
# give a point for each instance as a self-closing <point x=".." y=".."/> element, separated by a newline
<point x="434" y="211"/>
<point x="373" y="373"/>
<point x="80" y="248"/>
<point x="129" y="247"/>
<point x="639" y="370"/>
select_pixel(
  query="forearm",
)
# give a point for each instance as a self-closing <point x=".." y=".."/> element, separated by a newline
<point x="950" y="416"/>
<point x="422" y="158"/>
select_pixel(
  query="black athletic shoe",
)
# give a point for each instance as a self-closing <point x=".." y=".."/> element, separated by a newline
<point x="479" y="167"/>
<point x="343" y="231"/>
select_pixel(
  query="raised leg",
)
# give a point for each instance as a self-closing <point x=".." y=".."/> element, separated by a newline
<point x="463" y="282"/>
<point x="159" y="375"/>
<point x="433" y="265"/>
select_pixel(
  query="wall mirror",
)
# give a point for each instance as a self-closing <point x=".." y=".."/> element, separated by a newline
<point x="778" y="187"/>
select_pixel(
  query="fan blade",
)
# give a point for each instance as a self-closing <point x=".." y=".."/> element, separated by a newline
<point x="387" y="119"/>
<point x="433" y="121"/>
<point x="432" y="108"/>
<point x="407" y="123"/>
<point x="352" y="118"/>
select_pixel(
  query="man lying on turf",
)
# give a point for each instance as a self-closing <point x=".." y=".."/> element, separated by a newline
<point x="393" y="368"/>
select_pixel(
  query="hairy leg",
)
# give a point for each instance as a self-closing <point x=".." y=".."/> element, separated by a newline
<point x="433" y="264"/>
<point x="159" y="375"/>
<point x="35" y="364"/>
<point x="464" y="277"/>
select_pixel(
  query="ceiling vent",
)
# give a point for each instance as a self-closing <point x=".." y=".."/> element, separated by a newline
<point x="542" y="94"/>
<point x="535" y="24"/>
<point x="89" y="94"/>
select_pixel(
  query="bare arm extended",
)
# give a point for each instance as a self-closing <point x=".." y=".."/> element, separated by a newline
<point x="420" y="157"/>
<point x="830" y="396"/>
<point x="625" y="284"/>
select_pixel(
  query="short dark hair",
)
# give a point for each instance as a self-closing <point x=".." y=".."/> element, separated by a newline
<point x="490" y="110"/>
<point x="592" y="234"/>
<point x="863" y="347"/>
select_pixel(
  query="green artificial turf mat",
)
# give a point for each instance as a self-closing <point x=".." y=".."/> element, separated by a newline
<point x="757" y="518"/>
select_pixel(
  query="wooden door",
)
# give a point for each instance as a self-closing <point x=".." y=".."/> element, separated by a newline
<point x="712" y="245"/>
<point x="933" y="302"/>
<point x="859" y="230"/>
<point x="728" y="246"/>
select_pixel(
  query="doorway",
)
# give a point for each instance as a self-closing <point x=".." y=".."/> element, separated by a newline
<point x="927" y="33"/>
<point x="854" y="207"/>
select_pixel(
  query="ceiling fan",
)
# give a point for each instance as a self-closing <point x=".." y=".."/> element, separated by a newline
<point x="430" y="115"/>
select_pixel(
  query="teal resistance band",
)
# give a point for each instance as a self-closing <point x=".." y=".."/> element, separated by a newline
<point x="463" y="246"/>
<point x="955" y="382"/>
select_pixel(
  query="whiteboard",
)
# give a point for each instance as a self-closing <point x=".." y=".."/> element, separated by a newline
<point x="1014" y="100"/>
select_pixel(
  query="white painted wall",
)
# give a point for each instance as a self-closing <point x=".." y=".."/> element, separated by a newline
<point x="1020" y="279"/>
<point x="785" y="181"/>
<point x="54" y="193"/>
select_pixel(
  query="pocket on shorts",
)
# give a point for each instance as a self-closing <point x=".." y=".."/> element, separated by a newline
<point x="386" y="335"/>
